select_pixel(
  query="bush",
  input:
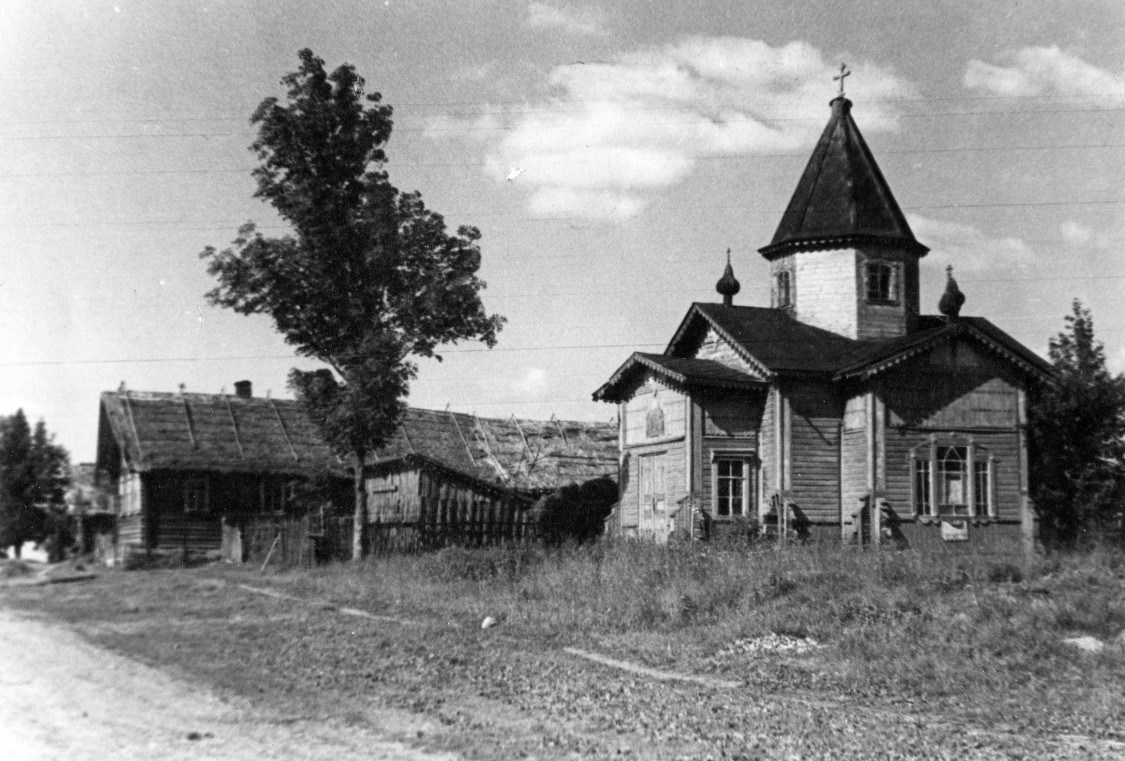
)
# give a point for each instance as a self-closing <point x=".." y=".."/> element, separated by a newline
<point x="576" y="513"/>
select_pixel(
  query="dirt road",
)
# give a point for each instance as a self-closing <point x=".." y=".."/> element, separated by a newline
<point x="62" y="698"/>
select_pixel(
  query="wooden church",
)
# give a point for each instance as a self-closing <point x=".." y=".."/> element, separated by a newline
<point x="840" y="411"/>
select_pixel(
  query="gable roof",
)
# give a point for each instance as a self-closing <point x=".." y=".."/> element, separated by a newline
<point x="678" y="372"/>
<point x="842" y="198"/>
<point x="873" y="357"/>
<point x="210" y="432"/>
<point x="768" y="339"/>
<point x="525" y="455"/>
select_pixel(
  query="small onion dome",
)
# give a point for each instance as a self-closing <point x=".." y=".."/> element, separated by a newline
<point x="952" y="300"/>
<point x="728" y="284"/>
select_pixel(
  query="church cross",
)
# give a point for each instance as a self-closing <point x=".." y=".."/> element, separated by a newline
<point x="840" y="77"/>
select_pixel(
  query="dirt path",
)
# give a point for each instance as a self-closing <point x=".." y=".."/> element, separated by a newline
<point x="61" y="697"/>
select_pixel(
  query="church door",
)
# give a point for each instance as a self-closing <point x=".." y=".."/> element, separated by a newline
<point x="654" y="509"/>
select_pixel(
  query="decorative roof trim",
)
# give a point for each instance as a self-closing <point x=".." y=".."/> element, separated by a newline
<point x="668" y="377"/>
<point x="777" y="250"/>
<point x="951" y="331"/>
<point x="739" y="349"/>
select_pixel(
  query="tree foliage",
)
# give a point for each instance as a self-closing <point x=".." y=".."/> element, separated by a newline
<point x="368" y="280"/>
<point x="1078" y="436"/>
<point x="33" y="479"/>
<point x="576" y="513"/>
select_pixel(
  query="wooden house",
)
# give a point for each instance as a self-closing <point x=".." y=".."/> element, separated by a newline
<point x="185" y="470"/>
<point x="840" y="410"/>
<point x="459" y="477"/>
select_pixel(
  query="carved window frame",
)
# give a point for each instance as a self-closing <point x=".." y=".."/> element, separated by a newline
<point x="978" y="478"/>
<point x="749" y="479"/>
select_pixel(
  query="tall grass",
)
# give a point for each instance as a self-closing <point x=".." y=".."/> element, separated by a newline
<point x="954" y="628"/>
<point x="820" y="590"/>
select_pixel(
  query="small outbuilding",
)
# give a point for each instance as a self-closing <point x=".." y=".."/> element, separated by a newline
<point x="450" y="476"/>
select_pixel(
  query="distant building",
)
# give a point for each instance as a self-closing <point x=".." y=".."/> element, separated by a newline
<point x="838" y="396"/>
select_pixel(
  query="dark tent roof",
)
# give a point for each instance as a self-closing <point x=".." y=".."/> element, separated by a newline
<point x="684" y="373"/>
<point x="842" y="198"/>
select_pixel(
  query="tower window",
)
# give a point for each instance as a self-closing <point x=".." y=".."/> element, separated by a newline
<point x="882" y="283"/>
<point x="784" y="290"/>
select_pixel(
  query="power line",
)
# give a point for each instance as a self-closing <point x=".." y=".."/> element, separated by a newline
<point x="172" y="225"/>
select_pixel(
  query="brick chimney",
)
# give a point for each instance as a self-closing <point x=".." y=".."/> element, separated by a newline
<point x="242" y="389"/>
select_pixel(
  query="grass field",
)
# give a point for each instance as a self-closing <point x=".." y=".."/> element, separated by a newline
<point x="837" y="653"/>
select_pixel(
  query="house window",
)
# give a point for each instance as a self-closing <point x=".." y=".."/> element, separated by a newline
<point x="952" y="479"/>
<point x="734" y="486"/>
<point x="195" y="496"/>
<point x="882" y="285"/>
<point x="784" y="291"/>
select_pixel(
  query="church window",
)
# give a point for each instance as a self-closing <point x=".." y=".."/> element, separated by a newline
<point x="784" y="289"/>
<point x="882" y="285"/>
<point x="952" y="480"/>
<point x="734" y="485"/>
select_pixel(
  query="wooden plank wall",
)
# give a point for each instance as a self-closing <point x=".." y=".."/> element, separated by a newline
<point x="816" y="416"/>
<point x="454" y="512"/>
<point x="671" y="403"/>
<point x="1002" y="445"/>
<point x="394" y="497"/>
<point x="767" y="453"/>
<point x="853" y="463"/>
<point x="172" y="528"/>
<point x="130" y="530"/>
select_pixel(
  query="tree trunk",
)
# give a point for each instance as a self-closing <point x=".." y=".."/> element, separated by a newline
<point x="359" y="524"/>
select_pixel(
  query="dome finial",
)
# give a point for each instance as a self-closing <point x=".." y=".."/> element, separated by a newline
<point x="952" y="300"/>
<point x="728" y="284"/>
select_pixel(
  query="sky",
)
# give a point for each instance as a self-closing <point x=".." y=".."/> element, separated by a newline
<point x="609" y="152"/>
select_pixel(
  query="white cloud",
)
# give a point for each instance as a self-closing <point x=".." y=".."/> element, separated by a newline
<point x="533" y="383"/>
<point x="581" y="21"/>
<point x="968" y="248"/>
<point x="1080" y="236"/>
<point x="615" y="133"/>
<point x="1042" y="71"/>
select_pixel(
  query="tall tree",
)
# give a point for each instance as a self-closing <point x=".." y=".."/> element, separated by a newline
<point x="368" y="280"/>
<point x="33" y="480"/>
<point x="1078" y="435"/>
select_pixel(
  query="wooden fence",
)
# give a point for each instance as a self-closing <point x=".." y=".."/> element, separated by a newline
<point x="293" y="544"/>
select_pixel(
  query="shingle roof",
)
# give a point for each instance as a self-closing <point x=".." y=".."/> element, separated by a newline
<point x="842" y="198"/>
<point x="767" y="338"/>
<point x="213" y="432"/>
<point x="685" y="373"/>
<point x="525" y="455"/>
